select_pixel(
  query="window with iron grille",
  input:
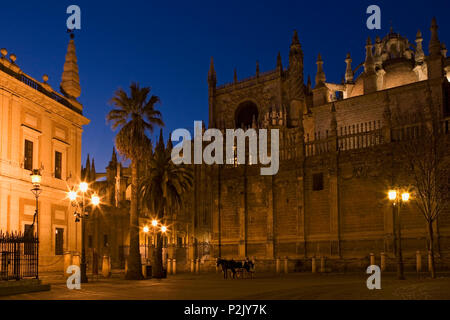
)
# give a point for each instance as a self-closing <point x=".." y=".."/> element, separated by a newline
<point x="58" y="165"/>
<point x="28" y="155"/>
<point x="317" y="181"/>
<point x="59" y="241"/>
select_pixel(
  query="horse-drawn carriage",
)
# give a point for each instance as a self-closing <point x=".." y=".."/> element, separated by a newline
<point x="238" y="269"/>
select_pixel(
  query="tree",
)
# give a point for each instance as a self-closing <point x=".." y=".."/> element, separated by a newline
<point x="424" y="148"/>
<point x="134" y="115"/>
<point x="162" y="191"/>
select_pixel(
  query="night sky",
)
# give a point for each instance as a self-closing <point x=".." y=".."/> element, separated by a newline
<point x="168" y="45"/>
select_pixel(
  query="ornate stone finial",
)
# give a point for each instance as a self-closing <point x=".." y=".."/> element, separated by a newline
<point x="444" y="50"/>
<point x="235" y="79"/>
<point x="320" y="76"/>
<point x="257" y="68"/>
<point x="13" y="57"/>
<point x="4" y="52"/>
<point x="348" y="71"/>
<point x="419" y="34"/>
<point x="434" y="46"/>
<point x="419" y="55"/>
<point x="45" y="78"/>
<point x="369" y="63"/>
<point x="70" y="82"/>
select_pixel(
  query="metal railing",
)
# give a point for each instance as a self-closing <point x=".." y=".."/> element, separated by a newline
<point x="18" y="256"/>
<point x="37" y="86"/>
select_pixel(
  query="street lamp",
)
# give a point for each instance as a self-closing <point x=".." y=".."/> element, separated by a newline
<point x="145" y="229"/>
<point x="397" y="202"/>
<point x="154" y="225"/>
<point x="36" y="179"/>
<point x="83" y="214"/>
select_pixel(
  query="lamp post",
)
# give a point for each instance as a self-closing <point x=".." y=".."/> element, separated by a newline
<point x="397" y="202"/>
<point x="36" y="179"/>
<point x="145" y="229"/>
<point x="83" y="188"/>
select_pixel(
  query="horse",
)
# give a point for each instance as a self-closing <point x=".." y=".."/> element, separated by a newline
<point x="235" y="266"/>
<point x="227" y="265"/>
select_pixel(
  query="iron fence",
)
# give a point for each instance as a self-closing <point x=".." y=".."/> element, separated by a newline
<point x="18" y="256"/>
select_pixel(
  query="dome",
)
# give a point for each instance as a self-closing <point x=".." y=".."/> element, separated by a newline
<point x="394" y="61"/>
<point x="399" y="72"/>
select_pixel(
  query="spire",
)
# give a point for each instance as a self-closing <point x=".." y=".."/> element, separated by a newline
<point x="435" y="61"/>
<point x="160" y="145"/>
<point x="420" y="55"/>
<point x="93" y="174"/>
<point x="295" y="53"/>
<point x="369" y="65"/>
<point x="212" y="72"/>
<point x="87" y="169"/>
<point x="70" y="82"/>
<point x="434" y="46"/>
<point x="279" y="63"/>
<point x="235" y="79"/>
<point x="295" y="39"/>
<point x="320" y="76"/>
<point x="348" y="70"/>
<point x="257" y="68"/>
<point x="212" y="81"/>
<point x="169" y="143"/>
<point x="114" y="155"/>
<point x="308" y="84"/>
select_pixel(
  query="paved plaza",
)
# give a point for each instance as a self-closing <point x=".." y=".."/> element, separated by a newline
<point x="264" y="286"/>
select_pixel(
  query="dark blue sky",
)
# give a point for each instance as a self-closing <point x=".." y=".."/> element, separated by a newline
<point x="168" y="44"/>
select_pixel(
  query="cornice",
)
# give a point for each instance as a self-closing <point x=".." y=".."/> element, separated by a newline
<point x="16" y="87"/>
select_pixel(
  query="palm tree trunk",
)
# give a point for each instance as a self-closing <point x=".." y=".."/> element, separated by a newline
<point x="431" y="247"/>
<point x="134" y="271"/>
<point x="157" y="268"/>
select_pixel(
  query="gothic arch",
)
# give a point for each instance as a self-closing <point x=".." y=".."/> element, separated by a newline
<point x="244" y="114"/>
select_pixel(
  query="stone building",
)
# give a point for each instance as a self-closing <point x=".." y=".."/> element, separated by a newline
<point x="40" y="129"/>
<point x="329" y="196"/>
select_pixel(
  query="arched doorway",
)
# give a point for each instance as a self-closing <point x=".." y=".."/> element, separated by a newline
<point x="245" y="113"/>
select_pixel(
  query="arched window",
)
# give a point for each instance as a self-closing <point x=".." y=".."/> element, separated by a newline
<point x="245" y="113"/>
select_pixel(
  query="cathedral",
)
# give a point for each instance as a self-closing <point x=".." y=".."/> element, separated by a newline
<point x="329" y="198"/>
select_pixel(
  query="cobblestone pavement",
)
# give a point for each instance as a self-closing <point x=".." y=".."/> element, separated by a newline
<point x="212" y="286"/>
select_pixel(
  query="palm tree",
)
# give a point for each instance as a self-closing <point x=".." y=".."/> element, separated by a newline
<point x="134" y="115"/>
<point x="162" y="191"/>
